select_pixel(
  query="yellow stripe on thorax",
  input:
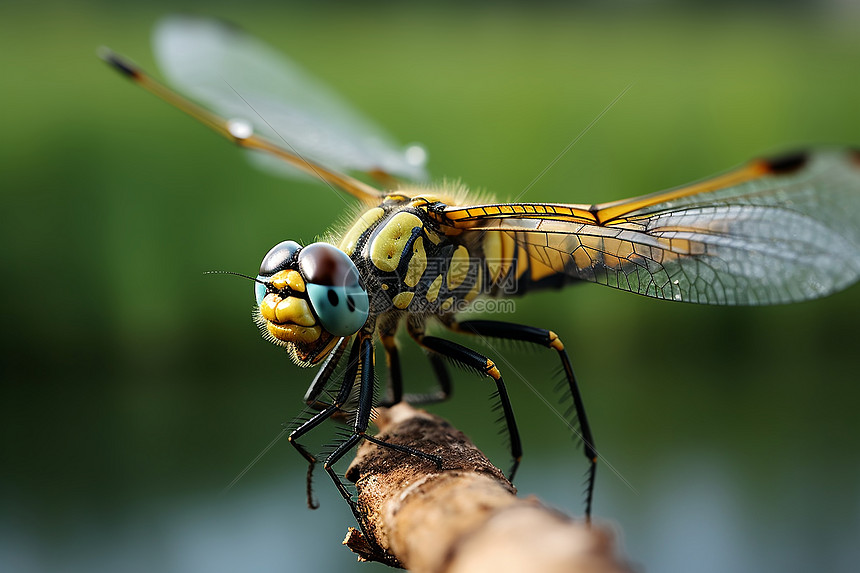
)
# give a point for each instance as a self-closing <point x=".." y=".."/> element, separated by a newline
<point x="386" y="248"/>
<point x="365" y="221"/>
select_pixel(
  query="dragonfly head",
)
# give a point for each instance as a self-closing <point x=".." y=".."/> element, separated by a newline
<point x="309" y="297"/>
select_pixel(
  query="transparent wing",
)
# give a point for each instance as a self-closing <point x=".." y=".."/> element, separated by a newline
<point x="771" y="232"/>
<point x="241" y="78"/>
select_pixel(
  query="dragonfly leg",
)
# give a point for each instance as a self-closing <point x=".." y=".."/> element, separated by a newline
<point x="321" y="379"/>
<point x="548" y="339"/>
<point x="440" y="370"/>
<point x="394" y="392"/>
<point x="480" y="363"/>
<point x="326" y="410"/>
<point x="364" y="369"/>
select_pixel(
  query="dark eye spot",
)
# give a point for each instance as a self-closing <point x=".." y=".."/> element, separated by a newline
<point x="332" y="297"/>
<point x="350" y="303"/>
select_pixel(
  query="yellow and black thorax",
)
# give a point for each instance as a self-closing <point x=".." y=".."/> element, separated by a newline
<point x="412" y="262"/>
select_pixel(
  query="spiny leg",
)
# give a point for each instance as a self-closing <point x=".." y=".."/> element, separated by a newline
<point x="321" y="379"/>
<point x="443" y="392"/>
<point x="480" y="363"/>
<point x="364" y="366"/>
<point x="548" y="339"/>
<point x="394" y="392"/>
<point x="327" y="410"/>
<point x="394" y="389"/>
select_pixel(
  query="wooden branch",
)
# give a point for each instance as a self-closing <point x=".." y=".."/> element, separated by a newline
<point x="464" y="518"/>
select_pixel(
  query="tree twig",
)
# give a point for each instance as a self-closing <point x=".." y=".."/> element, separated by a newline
<point x="464" y="518"/>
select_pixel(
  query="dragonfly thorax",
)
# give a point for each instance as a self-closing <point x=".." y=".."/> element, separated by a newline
<point x="409" y="263"/>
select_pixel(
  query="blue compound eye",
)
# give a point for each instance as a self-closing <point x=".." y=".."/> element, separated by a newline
<point x="259" y="291"/>
<point x="342" y="310"/>
<point x="334" y="288"/>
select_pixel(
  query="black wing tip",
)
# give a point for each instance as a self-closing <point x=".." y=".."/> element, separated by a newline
<point x="786" y="163"/>
<point x="118" y="63"/>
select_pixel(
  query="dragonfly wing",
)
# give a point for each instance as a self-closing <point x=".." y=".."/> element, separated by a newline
<point x="771" y="236"/>
<point x="241" y="78"/>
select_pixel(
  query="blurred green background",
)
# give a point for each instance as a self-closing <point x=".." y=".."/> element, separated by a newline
<point x="135" y="388"/>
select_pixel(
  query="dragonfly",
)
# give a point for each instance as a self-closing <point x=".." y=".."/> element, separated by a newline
<point x="775" y="230"/>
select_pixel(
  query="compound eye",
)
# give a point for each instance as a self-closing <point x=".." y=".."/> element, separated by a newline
<point x="280" y="257"/>
<point x="342" y="310"/>
<point x="324" y="264"/>
<point x="259" y="292"/>
<point x="334" y="288"/>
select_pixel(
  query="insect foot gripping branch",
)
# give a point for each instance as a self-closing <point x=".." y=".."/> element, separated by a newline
<point x="464" y="518"/>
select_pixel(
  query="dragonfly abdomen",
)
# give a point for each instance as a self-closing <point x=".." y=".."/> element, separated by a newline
<point x="513" y="268"/>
